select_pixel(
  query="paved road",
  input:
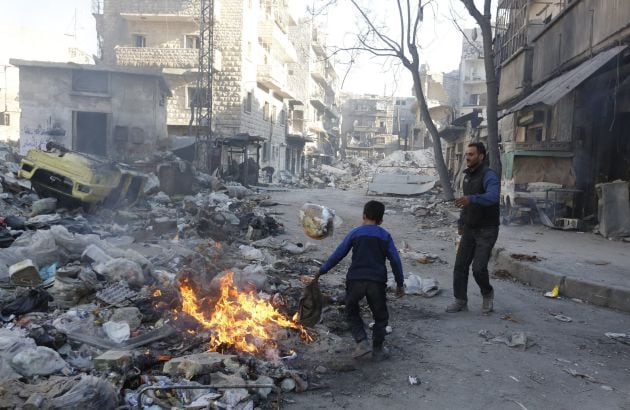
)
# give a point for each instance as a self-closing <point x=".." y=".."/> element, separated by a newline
<point x="457" y="368"/>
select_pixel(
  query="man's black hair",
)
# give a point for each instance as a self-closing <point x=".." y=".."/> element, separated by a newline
<point x="374" y="211"/>
<point x="481" y="149"/>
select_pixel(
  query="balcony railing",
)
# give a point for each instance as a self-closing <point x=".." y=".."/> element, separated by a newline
<point x="273" y="74"/>
<point x="279" y="42"/>
<point x="157" y="57"/>
<point x="161" y="7"/>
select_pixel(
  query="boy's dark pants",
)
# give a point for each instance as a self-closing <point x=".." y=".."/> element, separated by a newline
<point x="374" y="292"/>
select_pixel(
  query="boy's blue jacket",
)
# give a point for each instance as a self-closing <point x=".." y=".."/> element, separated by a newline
<point x="370" y="245"/>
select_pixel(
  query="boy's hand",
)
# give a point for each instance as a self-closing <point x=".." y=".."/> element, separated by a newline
<point x="400" y="291"/>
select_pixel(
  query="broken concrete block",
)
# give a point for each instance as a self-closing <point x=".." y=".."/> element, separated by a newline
<point x="196" y="364"/>
<point x="232" y="397"/>
<point x="94" y="254"/>
<point x="263" y="392"/>
<point x="287" y="385"/>
<point x="24" y="273"/>
<point x="129" y="315"/>
<point x="40" y="360"/>
<point x="219" y="379"/>
<point x="112" y="360"/>
<point x="164" y="225"/>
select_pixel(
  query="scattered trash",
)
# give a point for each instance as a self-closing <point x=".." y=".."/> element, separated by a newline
<point x="414" y="380"/>
<point x="117" y="331"/>
<point x="523" y="257"/>
<point x="562" y="318"/>
<point x="580" y="375"/>
<point x="555" y="292"/>
<point x="517" y="339"/>
<point x="35" y="301"/>
<point x="619" y="337"/>
<point x="415" y="285"/>
<point x="509" y="317"/>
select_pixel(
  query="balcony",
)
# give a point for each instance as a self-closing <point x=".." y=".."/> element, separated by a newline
<point x="318" y="97"/>
<point x="147" y="10"/>
<point x="279" y="43"/>
<point x="157" y="57"/>
<point x="318" y="71"/>
<point x="272" y="74"/>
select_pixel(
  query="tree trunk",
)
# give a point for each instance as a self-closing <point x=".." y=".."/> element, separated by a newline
<point x="492" y="97"/>
<point x="440" y="165"/>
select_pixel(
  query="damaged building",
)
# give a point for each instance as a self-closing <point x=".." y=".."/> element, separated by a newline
<point x="368" y="126"/>
<point x="264" y="107"/>
<point x="103" y="110"/>
<point x="565" y="103"/>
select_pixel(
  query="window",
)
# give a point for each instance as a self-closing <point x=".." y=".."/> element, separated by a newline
<point x="139" y="40"/>
<point x="273" y="114"/>
<point x="248" y="102"/>
<point x="5" y="118"/>
<point x="197" y="97"/>
<point x="265" y="151"/>
<point x="90" y="81"/>
<point x="266" y="112"/>
<point x="192" y="42"/>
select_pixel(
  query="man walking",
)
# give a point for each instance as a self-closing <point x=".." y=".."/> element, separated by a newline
<point x="479" y="226"/>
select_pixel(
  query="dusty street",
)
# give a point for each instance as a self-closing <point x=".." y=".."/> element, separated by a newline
<point x="566" y="365"/>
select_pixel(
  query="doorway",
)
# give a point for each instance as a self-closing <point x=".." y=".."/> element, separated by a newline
<point x="90" y="132"/>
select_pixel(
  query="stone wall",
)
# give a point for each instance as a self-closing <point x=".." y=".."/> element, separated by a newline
<point x="157" y="57"/>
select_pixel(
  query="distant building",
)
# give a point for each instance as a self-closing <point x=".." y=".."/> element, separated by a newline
<point x="368" y="126"/>
<point x="109" y="111"/>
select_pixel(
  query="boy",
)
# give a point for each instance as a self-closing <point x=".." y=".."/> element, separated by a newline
<point x="367" y="277"/>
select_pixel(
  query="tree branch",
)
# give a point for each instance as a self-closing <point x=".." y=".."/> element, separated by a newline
<point x="402" y="25"/>
<point x="387" y="40"/>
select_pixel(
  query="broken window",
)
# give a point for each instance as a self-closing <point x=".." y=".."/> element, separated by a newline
<point x="139" y="40"/>
<point x="90" y="81"/>
<point x="192" y="42"/>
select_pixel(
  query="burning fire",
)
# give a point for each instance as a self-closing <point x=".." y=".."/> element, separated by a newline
<point x="239" y="319"/>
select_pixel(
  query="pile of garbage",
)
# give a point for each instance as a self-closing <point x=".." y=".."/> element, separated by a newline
<point x="92" y="310"/>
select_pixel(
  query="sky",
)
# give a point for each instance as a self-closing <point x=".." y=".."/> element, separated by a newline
<point x="44" y="29"/>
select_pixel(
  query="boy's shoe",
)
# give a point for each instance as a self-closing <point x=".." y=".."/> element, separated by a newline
<point x="380" y="353"/>
<point x="458" y="305"/>
<point x="488" y="303"/>
<point x="363" y="348"/>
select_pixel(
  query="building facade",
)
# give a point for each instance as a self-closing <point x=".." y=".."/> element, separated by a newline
<point x="368" y="126"/>
<point x="565" y="100"/>
<point x="260" y="105"/>
<point x="115" y="112"/>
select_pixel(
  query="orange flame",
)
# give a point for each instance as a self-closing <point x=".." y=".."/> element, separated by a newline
<point x="239" y="319"/>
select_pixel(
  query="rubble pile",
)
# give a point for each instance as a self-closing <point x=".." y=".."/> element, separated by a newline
<point x="353" y="173"/>
<point x="123" y="307"/>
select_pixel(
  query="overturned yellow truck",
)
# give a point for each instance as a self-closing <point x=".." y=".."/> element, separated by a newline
<point x="78" y="179"/>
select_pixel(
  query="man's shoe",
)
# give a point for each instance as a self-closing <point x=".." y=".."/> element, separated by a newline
<point x="363" y="348"/>
<point x="380" y="353"/>
<point x="488" y="303"/>
<point x="457" y="306"/>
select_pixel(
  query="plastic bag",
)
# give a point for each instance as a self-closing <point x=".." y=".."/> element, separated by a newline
<point x="310" y="305"/>
<point x="89" y="393"/>
<point x="35" y="301"/>
<point x="317" y="221"/>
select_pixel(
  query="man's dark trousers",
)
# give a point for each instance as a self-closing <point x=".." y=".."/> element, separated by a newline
<point x="475" y="247"/>
<point x="374" y="292"/>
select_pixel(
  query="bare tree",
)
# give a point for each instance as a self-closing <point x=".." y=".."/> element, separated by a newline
<point x="484" y="22"/>
<point x="403" y="47"/>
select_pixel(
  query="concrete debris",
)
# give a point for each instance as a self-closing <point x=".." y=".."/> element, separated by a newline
<point x="39" y="360"/>
<point x="118" y="332"/>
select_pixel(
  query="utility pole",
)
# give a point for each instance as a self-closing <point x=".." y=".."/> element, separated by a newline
<point x="202" y="102"/>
